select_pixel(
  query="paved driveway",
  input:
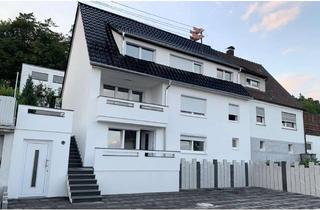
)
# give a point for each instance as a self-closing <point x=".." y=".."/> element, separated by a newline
<point x="223" y="198"/>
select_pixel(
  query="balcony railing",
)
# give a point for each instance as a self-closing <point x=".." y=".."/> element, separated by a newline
<point x="125" y="111"/>
<point x="122" y="159"/>
<point x="7" y="107"/>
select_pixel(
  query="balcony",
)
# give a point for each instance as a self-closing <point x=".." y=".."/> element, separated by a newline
<point x="7" y="107"/>
<point x="132" y="112"/>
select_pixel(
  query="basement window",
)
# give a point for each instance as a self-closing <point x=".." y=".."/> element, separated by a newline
<point x="262" y="146"/>
<point x="235" y="143"/>
<point x="290" y="148"/>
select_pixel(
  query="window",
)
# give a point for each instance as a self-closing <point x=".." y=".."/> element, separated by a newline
<point x="1" y="148"/>
<point x="39" y="76"/>
<point x="139" y="52"/>
<point x="185" y="64"/>
<point x="57" y="79"/>
<point x="308" y="146"/>
<point x="290" y="148"/>
<point x="288" y="120"/>
<point x="233" y="112"/>
<point x="137" y="96"/>
<point x="225" y="75"/>
<point x="109" y="90"/>
<point x="130" y="139"/>
<point x="122" y="93"/>
<point x="260" y="119"/>
<point x="235" y="143"/>
<point x="253" y="83"/>
<point x="191" y="105"/>
<point x="114" y="138"/>
<point x="261" y="145"/>
<point x="122" y="139"/>
<point x="192" y="143"/>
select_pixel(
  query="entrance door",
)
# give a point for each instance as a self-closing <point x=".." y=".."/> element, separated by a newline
<point x="36" y="169"/>
<point x="147" y="140"/>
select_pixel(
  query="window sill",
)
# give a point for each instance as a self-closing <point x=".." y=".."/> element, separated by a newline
<point x="288" y="128"/>
<point x="234" y="121"/>
<point x="235" y="148"/>
<point x="261" y="124"/>
<point x="193" y="152"/>
<point x="262" y="150"/>
<point x="192" y="115"/>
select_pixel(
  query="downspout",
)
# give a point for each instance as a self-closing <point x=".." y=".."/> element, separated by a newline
<point x="123" y="43"/>
<point x="240" y="70"/>
<point x="166" y="93"/>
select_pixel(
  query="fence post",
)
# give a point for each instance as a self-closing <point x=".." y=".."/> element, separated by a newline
<point x="180" y="175"/>
<point x="284" y="176"/>
<point x="232" y="175"/>
<point x="198" y="175"/>
<point x="215" y="164"/>
<point x="246" y="168"/>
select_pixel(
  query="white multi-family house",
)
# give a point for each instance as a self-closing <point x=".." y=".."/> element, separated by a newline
<point x="142" y="99"/>
<point x="51" y="78"/>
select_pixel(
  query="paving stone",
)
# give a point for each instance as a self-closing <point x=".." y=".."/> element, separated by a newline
<point x="237" y="198"/>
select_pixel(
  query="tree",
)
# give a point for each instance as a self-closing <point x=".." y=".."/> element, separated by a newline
<point x="26" y="40"/>
<point x="28" y="95"/>
<point x="309" y="104"/>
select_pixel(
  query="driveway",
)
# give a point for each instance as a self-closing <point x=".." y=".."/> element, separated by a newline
<point x="214" y="198"/>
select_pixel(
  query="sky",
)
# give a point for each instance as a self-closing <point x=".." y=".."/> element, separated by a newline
<point x="282" y="36"/>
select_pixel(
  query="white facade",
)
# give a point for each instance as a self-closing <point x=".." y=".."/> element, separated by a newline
<point x="315" y="145"/>
<point x="50" y="78"/>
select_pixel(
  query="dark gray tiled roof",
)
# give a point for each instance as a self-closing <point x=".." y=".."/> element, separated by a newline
<point x="102" y="49"/>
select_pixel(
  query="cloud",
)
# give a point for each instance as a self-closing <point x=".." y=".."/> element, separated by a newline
<point x="289" y="50"/>
<point x="306" y="84"/>
<point x="250" y="10"/>
<point x="272" y="15"/>
<point x="276" y="19"/>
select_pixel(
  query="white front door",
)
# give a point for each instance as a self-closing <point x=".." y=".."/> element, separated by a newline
<point x="36" y="169"/>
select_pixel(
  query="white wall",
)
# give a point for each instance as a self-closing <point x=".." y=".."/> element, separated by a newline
<point x="315" y="144"/>
<point x="55" y="131"/>
<point x="6" y="158"/>
<point x="272" y="129"/>
<point x="27" y="71"/>
<point x="216" y="127"/>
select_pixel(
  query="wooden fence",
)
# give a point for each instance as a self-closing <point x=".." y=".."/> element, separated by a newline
<point x="277" y="176"/>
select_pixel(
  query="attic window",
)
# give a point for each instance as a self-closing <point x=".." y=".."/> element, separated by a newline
<point x="139" y="52"/>
<point x="253" y="83"/>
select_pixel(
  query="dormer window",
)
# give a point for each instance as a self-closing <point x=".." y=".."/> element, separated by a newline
<point x="139" y="52"/>
<point x="253" y="83"/>
<point x="185" y="64"/>
<point x="225" y="75"/>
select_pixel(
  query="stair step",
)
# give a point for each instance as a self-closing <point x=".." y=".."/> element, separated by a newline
<point x="80" y="172"/>
<point x="84" y="192"/>
<point x="83" y="187"/>
<point x="92" y="198"/>
<point x="82" y="181"/>
<point x="75" y="161"/>
<point x="74" y="165"/>
<point x="81" y="176"/>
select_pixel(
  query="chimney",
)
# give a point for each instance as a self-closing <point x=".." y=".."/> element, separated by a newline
<point x="230" y="50"/>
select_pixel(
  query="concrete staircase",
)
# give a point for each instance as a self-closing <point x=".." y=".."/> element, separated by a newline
<point x="82" y="184"/>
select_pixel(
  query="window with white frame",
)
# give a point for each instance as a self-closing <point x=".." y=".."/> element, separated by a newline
<point x="39" y="76"/>
<point x="262" y="145"/>
<point x="192" y="143"/>
<point x="1" y="148"/>
<point x="235" y="143"/>
<point x="224" y="75"/>
<point x="233" y="112"/>
<point x="260" y="115"/>
<point x="139" y="52"/>
<point x="192" y="105"/>
<point x="122" y="139"/>
<point x="122" y="93"/>
<point x="290" y="148"/>
<point x="185" y="64"/>
<point x="57" y="79"/>
<point x="309" y="146"/>
<point x="253" y="83"/>
<point x="288" y="120"/>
